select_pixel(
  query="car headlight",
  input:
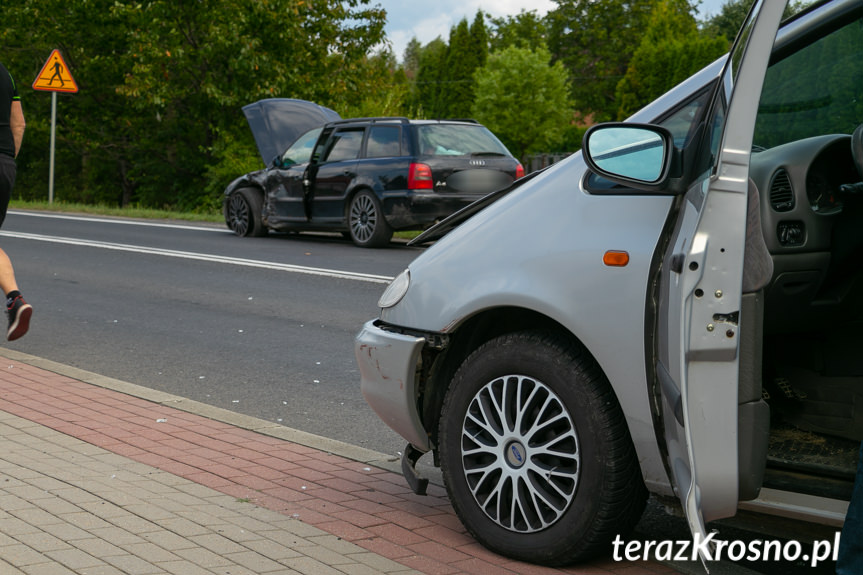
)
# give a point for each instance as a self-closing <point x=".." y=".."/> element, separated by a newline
<point x="396" y="290"/>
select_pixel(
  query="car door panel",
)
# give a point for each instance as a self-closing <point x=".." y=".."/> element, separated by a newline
<point x="700" y="296"/>
<point x="330" y="186"/>
<point x="327" y="181"/>
<point x="285" y="194"/>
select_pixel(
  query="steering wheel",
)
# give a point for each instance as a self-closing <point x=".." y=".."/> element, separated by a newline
<point x="857" y="149"/>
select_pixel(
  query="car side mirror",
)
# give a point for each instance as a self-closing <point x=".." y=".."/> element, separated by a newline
<point x="277" y="162"/>
<point x="634" y="155"/>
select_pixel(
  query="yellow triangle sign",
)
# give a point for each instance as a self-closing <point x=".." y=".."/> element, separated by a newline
<point x="55" y="76"/>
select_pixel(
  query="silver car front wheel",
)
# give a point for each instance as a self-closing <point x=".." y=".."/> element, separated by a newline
<point x="520" y="453"/>
<point x="535" y="451"/>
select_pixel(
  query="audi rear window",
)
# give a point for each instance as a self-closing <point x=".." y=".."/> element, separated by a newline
<point x="458" y="140"/>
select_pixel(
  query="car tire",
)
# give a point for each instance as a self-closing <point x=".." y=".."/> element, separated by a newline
<point x="243" y="213"/>
<point x="366" y="223"/>
<point x="535" y="417"/>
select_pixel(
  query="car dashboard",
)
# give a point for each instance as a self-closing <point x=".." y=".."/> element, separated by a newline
<point x="812" y="229"/>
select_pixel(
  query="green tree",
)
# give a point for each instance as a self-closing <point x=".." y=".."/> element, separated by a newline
<point x="411" y="58"/>
<point x="479" y="39"/>
<point x="523" y="99"/>
<point x="410" y="68"/>
<point x="460" y="64"/>
<point x="729" y="19"/>
<point x="92" y="163"/>
<point x="444" y="86"/>
<point x="431" y="77"/>
<point x="162" y="82"/>
<point x="386" y="91"/>
<point x="197" y="63"/>
<point x="524" y="30"/>
<point x="595" y="39"/>
<point x="672" y="50"/>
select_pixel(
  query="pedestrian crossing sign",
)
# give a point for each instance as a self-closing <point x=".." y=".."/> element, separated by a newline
<point x="55" y="76"/>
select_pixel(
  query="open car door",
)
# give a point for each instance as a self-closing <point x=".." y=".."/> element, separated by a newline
<point x="700" y="291"/>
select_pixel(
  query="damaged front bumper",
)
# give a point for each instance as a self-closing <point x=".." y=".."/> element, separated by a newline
<point x="388" y="369"/>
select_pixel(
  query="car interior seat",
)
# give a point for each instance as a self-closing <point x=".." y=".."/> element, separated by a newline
<point x="753" y="411"/>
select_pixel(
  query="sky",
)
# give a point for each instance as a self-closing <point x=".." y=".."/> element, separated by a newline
<point x="428" y="19"/>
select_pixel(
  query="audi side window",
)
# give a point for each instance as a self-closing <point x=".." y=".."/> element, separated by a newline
<point x="345" y="145"/>
<point x="384" y="142"/>
<point x="321" y="147"/>
<point x="301" y="150"/>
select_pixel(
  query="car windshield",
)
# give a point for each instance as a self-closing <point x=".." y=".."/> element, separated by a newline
<point x="301" y="150"/>
<point x="803" y="98"/>
<point x="458" y="140"/>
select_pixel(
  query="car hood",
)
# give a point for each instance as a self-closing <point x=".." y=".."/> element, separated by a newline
<point x="277" y="122"/>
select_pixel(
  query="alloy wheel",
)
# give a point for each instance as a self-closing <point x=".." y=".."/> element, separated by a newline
<point x="520" y="453"/>
<point x="238" y="214"/>
<point x="364" y="218"/>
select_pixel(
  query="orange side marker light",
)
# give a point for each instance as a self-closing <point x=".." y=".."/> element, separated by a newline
<point x="615" y="259"/>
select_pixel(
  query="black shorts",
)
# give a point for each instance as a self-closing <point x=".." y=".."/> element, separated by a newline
<point x="7" y="182"/>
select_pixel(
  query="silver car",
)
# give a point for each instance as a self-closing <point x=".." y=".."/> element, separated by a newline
<point x="675" y="310"/>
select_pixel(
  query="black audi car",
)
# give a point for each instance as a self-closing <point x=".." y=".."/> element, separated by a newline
<point x="365" y="177"/>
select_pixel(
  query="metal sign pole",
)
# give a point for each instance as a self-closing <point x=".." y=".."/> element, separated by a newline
<point x="55" y="68"/>
<point x="51" y="157"/>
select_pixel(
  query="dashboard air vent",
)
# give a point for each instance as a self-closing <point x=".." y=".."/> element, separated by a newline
<point x="781" y="192"/>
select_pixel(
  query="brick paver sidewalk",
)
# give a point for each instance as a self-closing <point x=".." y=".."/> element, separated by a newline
<point x="137" y="481"/>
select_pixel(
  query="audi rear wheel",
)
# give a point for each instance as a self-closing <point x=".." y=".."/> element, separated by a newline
<point x="367" y="226"/>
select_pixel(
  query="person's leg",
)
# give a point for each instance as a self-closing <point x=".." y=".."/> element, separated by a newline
<point x="850" y="560"/>
<point x="7" y="274"/>
<point x="17" y="310"/>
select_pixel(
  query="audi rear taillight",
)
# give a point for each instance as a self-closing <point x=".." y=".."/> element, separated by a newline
<point x="519" y="171"/>
<point x="420" y="177"/>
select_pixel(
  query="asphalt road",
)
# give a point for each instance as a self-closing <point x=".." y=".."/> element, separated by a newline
<point x="260" y="326"/>
<point x="240" y="323"/>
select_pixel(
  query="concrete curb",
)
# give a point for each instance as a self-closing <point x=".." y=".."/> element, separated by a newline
<point x="332" y="446"/>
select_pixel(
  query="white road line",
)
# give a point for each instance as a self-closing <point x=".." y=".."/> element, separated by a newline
<point x="204" y="257"/>
<point x="124" y="222"/>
